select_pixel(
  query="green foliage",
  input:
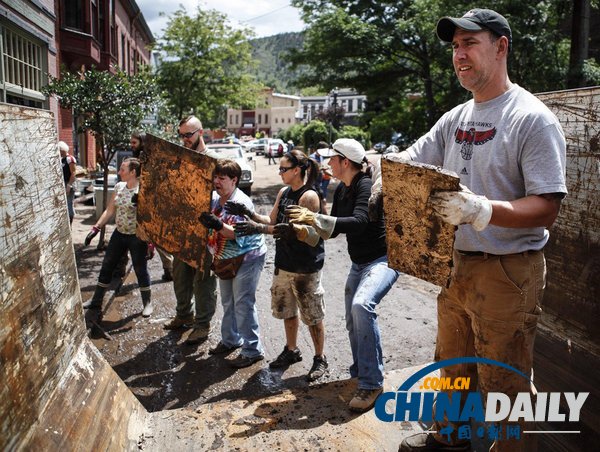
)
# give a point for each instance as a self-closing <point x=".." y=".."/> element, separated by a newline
<point x="317" y="131"/>
<point x="591" y="72"/>
<point x="110" y="106"/>
<point x="357" y="133"/>
<point x="389" y="51"/>
<point x="272" y="68"/>
<point x="294" y="133"/>
<point x="205" y="65"/>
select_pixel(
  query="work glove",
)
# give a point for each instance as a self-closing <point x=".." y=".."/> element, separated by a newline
<point x="301" y="232"/>
<point x="376" y="204"/>
<point x="211" y="221"/>
<point x="93" y="233"/>
<point x="323" y="224"/>
<point x="150" y="252"/>
<point x="462" y="207"/>
<point x="249" y="228"/>
<point x="237" y="208"/>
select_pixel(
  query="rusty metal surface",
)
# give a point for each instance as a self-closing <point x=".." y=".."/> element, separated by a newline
<point x="573" y="252"/>
<point x="54" y="386"/>
<point x="175" y="189"/>
<point x="419" y="243"/>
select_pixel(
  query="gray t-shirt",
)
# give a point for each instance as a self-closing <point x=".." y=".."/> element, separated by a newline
<point x="505" y="149"/>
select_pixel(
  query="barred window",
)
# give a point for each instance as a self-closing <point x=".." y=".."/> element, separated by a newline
<point x="24" y="63"/>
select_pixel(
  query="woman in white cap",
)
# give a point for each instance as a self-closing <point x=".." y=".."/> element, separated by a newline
<point x="370" y="278"/>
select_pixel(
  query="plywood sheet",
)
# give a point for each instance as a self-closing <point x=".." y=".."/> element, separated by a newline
<point x="419" y="243"/>
<point x="175" y="189"/>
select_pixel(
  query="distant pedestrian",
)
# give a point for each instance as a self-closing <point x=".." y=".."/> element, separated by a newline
<point x="69" y="167"/>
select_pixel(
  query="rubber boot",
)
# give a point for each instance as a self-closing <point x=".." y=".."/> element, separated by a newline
<point x="96" y="301"/>
<point x="147" y="301"/>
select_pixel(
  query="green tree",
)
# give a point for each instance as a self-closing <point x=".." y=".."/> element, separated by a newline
<point x="316" y="131"/>
<point x="204" y="65"/>
<point x="110" y="106"/>
<point x="389" y="51"/>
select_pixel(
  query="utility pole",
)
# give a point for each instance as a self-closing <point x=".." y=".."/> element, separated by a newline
<point x="333" y="119"/>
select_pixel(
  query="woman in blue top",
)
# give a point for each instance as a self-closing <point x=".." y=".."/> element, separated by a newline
<point x="238" y="295"/>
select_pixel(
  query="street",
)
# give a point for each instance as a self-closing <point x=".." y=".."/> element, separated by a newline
<point x="164" y="373"/>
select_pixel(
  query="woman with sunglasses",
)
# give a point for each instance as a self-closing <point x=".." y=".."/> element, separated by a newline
<point x="370" y="278"/>
<point x="299" y="257"/>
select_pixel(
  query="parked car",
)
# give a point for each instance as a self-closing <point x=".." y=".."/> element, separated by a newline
<point x="275" y="148"/>
<point x="258" y="146"/>
<point x="235" y="152"/>
<point x="380" y="147"/>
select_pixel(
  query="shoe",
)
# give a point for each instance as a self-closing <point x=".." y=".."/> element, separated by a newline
<point x="198" y="334"/>
<point x="177" y="323"/>
<point x="364" y="399"/>
<point x="245" y="361"/>
<point x="221" y="349"/>
<point x="286" y="358"/>
<point x="148" y="309"/>
<point x="318" y="369"/>
<point x="425" y="442"/>
<point x="167" y="275"/>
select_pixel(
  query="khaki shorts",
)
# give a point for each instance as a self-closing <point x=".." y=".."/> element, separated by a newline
<point x="291" y="292"/>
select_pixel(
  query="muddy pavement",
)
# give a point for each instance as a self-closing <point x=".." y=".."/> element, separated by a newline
<point x="164" y="373"/>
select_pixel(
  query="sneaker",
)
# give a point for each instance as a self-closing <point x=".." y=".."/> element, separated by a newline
<point x="286" y="358"/>
<point x="177" y="323"/>
<point x="318" y="369"/>
<point x="221" y="349"/>
<point x="245" y="361"/>
<point x="425" y="441"/>
<point x="364" y="399"/>
<point x="198" y="334"/>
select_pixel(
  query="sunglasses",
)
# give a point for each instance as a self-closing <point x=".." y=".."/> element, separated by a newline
<point x="188" y="134"/>
<point x="283" y="169"/>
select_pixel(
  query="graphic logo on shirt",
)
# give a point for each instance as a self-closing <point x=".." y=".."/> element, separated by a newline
<point x="464" y="171"/>
<point x="457" y="402"/>
<point x="470" y="137"/>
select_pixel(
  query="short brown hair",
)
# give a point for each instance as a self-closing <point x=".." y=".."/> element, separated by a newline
<point x="134" y="165"/>
<point x="229" y="168"/>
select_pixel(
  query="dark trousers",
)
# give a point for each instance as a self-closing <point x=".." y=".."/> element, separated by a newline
<point x="117" y="246"/>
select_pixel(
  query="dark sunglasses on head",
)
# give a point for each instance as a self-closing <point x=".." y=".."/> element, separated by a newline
<point x="188" y="134"/>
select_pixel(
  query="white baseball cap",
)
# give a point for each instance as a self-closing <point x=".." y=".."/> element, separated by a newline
<point x="346" y="147"/>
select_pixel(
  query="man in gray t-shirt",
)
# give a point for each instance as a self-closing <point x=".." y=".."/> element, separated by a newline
<point x="509" y="151"/>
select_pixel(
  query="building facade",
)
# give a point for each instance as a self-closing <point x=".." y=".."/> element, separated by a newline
<point x="350" y="101"/>
<point x="105" y="34"/>
<point x="277" y="112"/>
<point x="28" y="52"/>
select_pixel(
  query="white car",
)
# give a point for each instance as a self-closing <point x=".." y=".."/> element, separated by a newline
<point x="275" y="148"/>
<point x="235" y="152"/>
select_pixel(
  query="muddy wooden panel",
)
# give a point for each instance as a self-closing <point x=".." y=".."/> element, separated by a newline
<point x="42" y="330"/>
<point x="175" y="189"/>
<point x="419" y="243"/>
<point x="573" y="253"/>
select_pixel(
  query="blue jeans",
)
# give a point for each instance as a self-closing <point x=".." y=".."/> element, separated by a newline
<point x="117" y="246"/>
<point x="240" y="318"/>
<point x="366" y="285"/>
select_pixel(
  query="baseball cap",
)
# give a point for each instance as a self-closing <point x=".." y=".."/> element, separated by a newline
<point x="475" y="20"/>
<point x="346" y="147"/>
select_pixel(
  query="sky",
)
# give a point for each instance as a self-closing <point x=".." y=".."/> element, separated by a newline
<point x="266" y="17"/>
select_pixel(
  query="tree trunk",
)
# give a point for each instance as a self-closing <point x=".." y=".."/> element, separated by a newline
<point x="580" y="35"/>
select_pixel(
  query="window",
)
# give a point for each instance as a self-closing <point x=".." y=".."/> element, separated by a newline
<point x="230" y="119"/>
<point x="350" y="105"/>
<point x="289" y="120"/>
<point x="237" y="119"/>
<point x="276" y="120"/>
<point x="260" y="118"/>
<point x="74" y="14"/>
<point x="95" y="18"/>
<point x="359" y="104"/>
<point x="266" y="118"/>
<point x="24" y="63"/>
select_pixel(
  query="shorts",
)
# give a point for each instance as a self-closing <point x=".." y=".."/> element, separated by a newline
<point x="291" y="292"/>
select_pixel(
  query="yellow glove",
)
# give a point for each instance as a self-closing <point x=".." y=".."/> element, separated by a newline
<point x="300" y="215"/>
<point x="323" y="224"/>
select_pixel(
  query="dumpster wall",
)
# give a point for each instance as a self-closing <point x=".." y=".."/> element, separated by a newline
<point x="54" y="382"/>
<point x="573" y="253"/>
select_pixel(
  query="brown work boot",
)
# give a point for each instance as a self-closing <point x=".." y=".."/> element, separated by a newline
<point x="198" y="334"/>
<point x="364" y="399"/>
<point x="178" y="323"/>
